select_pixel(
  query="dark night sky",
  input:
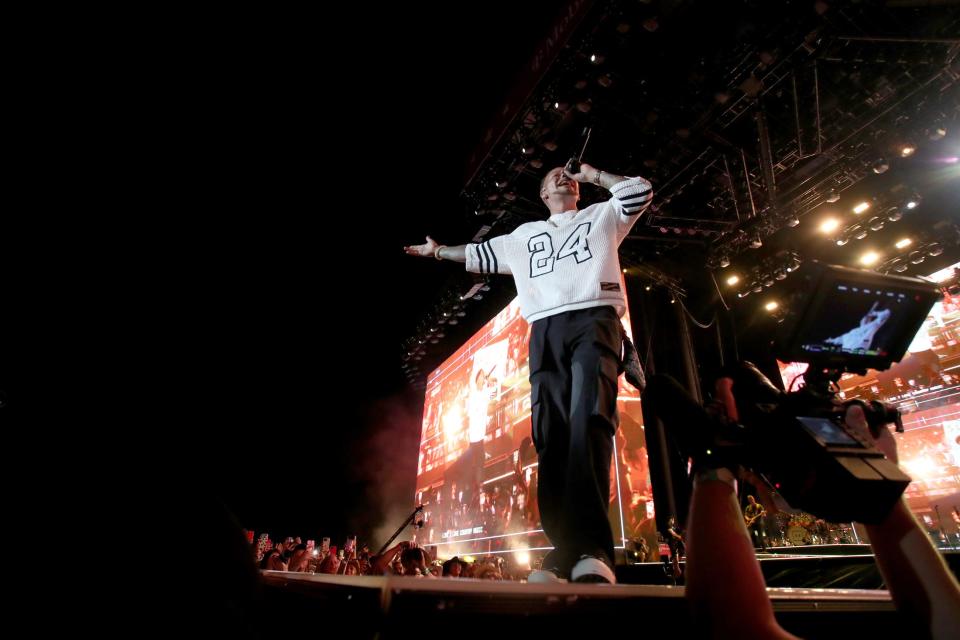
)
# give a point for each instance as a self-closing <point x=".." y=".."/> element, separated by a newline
<point x="313" y="164"/>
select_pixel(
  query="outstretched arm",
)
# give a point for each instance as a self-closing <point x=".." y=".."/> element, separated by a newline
<point x="432" y="249"/>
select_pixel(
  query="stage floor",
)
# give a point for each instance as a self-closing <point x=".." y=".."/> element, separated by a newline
<point x="396" y="606"/>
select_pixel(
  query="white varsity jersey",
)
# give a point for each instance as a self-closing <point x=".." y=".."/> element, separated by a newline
<point x="570" y="260"/>
<point x="478" y="405"/>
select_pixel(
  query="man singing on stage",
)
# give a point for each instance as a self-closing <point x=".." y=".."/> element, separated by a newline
<point x="567" y="275"/>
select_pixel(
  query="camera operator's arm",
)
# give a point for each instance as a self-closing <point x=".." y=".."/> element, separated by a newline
<point x="723" y="391"/>
<point x="725" y="586"/>
<point x="919" y="581"/>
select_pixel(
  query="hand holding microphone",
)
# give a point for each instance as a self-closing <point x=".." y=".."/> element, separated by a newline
<point x="573" y="167"/>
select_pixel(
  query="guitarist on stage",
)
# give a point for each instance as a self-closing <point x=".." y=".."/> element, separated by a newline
<point x="753" y="517"/>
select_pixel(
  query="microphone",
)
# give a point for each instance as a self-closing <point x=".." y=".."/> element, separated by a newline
<point x="573" y="164"/>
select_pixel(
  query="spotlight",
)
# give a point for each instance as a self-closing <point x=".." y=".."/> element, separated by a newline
<point x="842" y="241"/>
<point x="905" y="242"/>
<point x="732" y="280"/>
<point x="870" y="257"/>
<point x="907" y="150"/>
<point x="936" y="133"/>
<point x="770" y="306"/>
<point x="829" y="225"/>
<point x="861" y="207"/>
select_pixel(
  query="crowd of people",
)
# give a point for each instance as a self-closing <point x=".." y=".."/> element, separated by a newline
<point x="406" y="558"/>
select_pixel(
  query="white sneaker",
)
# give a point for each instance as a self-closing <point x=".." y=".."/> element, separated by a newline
<point x="542" y="576"/>
<point x="590" y="569"/>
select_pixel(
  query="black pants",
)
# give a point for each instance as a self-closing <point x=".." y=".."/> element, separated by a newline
<point x="574" y="359"/>
<point x="758" y="533"/>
